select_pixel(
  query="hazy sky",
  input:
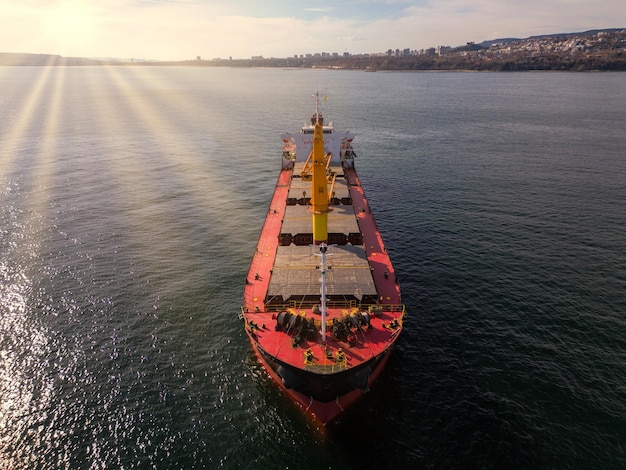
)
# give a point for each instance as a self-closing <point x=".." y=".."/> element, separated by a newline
<point x="184" y="29"/>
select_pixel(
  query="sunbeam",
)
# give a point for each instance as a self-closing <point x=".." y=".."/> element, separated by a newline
<point x="148" y="211"/>
<point x="49" y="142"/>
<point x="170" y="129"/>
<point x="15" y="141"/>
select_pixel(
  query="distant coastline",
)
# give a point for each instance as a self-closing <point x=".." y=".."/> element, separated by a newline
<point x="596" y="50"/>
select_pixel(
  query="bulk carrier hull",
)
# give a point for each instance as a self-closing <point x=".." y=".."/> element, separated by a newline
<point x="322" y="305"/>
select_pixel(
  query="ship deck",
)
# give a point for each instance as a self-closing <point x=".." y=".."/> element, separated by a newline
<point x="285" y="275"/>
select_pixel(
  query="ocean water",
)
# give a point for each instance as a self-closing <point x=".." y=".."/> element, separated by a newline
<point x="131" y="199"/>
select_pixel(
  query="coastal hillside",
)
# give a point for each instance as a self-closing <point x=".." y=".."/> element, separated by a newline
<point x="603" y="49"/>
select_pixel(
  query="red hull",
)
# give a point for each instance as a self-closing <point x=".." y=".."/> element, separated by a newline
<point x="325" y="356"/>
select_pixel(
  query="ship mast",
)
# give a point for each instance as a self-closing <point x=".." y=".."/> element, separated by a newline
<point x="319" y="197"/>
<point x="319" y="202"/>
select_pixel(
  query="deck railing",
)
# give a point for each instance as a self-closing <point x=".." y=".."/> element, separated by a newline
<point x="347" y="305"/>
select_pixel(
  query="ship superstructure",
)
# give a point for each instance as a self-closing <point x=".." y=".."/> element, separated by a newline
<point x="322" y="305"/>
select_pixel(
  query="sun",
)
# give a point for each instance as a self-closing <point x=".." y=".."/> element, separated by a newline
<point x="71" y="24"/>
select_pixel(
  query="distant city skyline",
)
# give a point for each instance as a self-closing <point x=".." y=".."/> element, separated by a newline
<point x="185" y="29"/>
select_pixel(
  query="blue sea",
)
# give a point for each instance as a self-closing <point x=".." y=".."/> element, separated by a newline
<point x="131" y="199"/>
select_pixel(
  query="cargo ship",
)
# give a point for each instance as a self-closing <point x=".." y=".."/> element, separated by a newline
<point x="322" y="305"/>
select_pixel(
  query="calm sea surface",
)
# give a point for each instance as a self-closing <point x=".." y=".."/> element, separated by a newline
<point x="130" y="204"/>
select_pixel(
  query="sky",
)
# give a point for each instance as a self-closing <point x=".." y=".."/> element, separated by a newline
<point x="186" y="29"/>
